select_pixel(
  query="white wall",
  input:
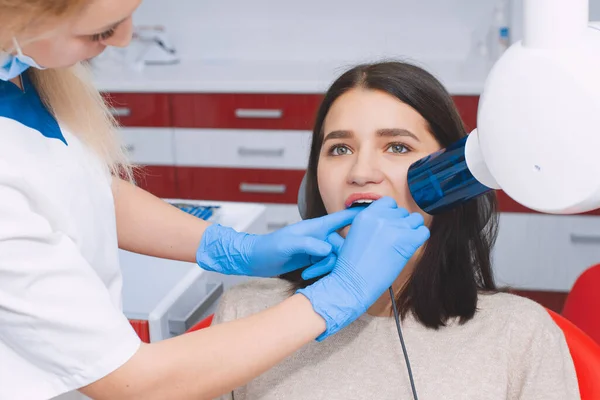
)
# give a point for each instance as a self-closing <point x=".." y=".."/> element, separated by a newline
<point x="517" y="15"/>
<point x="346" y="30"/>
<point x="328" y="30"/>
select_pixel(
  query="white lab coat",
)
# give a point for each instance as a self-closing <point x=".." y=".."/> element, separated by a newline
<point x="61" y="325"/>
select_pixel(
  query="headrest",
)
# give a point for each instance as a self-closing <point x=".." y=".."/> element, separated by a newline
<point x="302" y="198"/>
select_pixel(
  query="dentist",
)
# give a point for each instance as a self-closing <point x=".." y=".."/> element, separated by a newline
<point x="67" y="205"/>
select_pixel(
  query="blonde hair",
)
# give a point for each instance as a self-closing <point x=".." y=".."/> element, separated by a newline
<point x="68" y="93"/>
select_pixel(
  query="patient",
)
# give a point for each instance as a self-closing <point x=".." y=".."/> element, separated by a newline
<point x="465" y="340"/>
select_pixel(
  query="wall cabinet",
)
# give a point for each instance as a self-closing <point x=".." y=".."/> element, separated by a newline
<point x="245" y="111"/>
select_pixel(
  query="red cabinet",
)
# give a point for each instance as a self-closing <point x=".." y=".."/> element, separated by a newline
<point x="141" y="109"/>
<point x="240" y="111"/>
<point x="245" y="111"/>
<point x="237" y="184"/>
<point x="140" y="114"/>
<point x="268" y="111"/>
<point x="467" y="108"/>
<point x="160" y="180"/>
<point x="141" y="327"/>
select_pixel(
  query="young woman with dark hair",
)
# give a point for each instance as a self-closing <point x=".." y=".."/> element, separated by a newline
<point x="465" y="339"/>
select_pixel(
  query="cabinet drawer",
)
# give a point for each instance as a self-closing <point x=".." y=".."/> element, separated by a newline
<point x="281" y="215"/>
<point x="545" y="252"/>
<point x="248" y="111"/>
<point x="583" y="237"/>
<point x="140" y="109"/>
<point x="242" y="185"/>
<point x="149" y="146"/>
<point x="165" y="298"/>
<point x="242" y="148"/>
<point x="158" y="180"/>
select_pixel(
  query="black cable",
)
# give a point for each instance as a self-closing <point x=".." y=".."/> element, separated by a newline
<point x="410" y="375"/>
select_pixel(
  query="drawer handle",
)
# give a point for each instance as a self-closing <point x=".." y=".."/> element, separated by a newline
<point x="274" y="226"/>
<point x="262" y="188"/>
<point x="256" y="113"/>
<point x="246" y="152"/>
<point x="120" y="111"/>
<point x="585" y="239"/>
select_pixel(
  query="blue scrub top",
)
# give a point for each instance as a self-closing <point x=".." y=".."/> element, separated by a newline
<point x="26" y="107"/>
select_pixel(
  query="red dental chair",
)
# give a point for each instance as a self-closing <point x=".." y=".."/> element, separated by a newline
<point x="582" y="306"/>
<point x="586" y="357"/>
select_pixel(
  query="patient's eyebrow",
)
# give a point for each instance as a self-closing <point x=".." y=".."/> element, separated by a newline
<point x="338" y="135"/>
<point x="393" y="132"/>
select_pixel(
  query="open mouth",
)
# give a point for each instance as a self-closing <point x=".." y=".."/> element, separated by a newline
<point x="360" y="203"/>
<point x="361" y="199"/>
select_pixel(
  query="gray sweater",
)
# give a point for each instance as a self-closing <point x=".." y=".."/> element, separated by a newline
<point x="511" y="349"/>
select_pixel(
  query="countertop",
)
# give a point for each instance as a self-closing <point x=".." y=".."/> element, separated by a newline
<point x="235" y="76"/>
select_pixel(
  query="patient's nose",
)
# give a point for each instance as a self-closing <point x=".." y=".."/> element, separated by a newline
<point x="364" y="171"/>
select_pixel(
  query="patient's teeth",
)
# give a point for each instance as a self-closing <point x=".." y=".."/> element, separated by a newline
<point x="360" y="202"/>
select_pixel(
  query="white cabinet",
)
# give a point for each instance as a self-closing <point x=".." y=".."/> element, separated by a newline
<point x="545" y="252"/>
<point x="281" y="215"/>
<point x="149" y="146"/>
<point x="584" y="245"/>
<point x="242" y="148"/>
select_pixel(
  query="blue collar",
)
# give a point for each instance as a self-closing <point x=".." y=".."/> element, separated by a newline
<point x="26" y="107"/>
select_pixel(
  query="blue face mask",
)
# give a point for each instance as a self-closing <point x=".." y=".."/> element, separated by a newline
<point x="12" y="66"/>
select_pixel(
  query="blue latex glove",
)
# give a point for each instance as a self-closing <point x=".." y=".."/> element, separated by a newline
<point x="325" y="266"/>
<point x="382" y="239"/>
<point x="229" y="252"/>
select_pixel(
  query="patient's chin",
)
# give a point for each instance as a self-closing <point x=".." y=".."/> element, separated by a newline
<point x="344" y="232"/>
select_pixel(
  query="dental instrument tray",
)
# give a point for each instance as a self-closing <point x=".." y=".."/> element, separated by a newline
<point x="201" y="211"/>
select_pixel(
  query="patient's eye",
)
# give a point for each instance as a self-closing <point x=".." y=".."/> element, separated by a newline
<point x="339" y="150"/>
<point x="398" y="148"/>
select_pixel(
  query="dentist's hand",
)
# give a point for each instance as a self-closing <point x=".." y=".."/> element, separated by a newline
<point x="304" y="243"/>
<point x="382" y="239"/>
<point x="325" y="266"/>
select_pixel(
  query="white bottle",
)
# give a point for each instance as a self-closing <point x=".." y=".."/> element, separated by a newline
<point x="500" y="31"/>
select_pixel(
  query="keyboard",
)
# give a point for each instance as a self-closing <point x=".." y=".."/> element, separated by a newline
<point x="202" y="212"/>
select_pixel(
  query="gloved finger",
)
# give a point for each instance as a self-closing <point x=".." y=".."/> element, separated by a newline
<point x="396" y="216"/>
<point x="332" y="222"/>
<point x="414" y="220"/>
<point x="321" y="268"/>
<point x="336" y="241"/>
<point x="306" y="245"/>
<point x="422" y="234"/>
<point x="383" y="203"/>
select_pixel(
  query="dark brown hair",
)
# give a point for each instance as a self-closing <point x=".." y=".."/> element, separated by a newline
<point x="455" y="264"/>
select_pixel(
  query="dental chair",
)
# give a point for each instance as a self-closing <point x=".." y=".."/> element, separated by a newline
<point x="582" y="306"/>
<point x="586" y="357"/>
